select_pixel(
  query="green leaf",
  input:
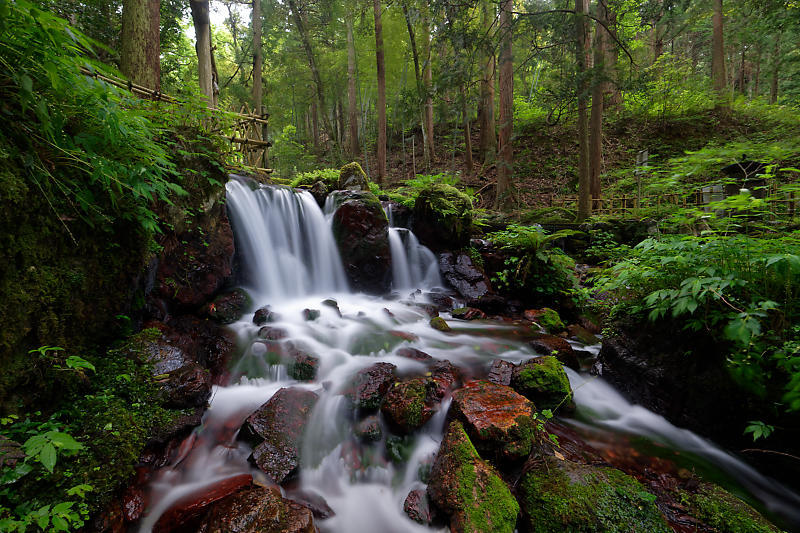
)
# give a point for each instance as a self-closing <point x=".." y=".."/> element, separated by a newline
<point x="48" y="457"/>
<point x="63" y="440"/>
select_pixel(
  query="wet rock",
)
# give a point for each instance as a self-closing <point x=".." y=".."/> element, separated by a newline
<point x="174" y="430"/>
<point x="463" y="275"/>
<point x="441" y="300"/>
<point x="229" y="307"/>
<point x="468" y="490"/>
<point x="280" y="424"/>
<point x="500" y="372"/>
<point x="413" y="353"/>
<point x="417" y="507"/>
<point x="333" y="304"/>
<point x="371" y="384"/>
<point x="257" y="510"/>
<point x="399" y="448"/>
<point x="497" y="418"/>
<point x="272" y="333"/>
<point x="492" y="304"/>
<point x="723" y="511"/>
<point x="188" y="386"/>
<point x="558" y="347"/>
<point x="183" y="515"/>
<point x="319" y="191"/>
<point x="440" y="324"/>
<point x="369" y="429"/>
<point x="313" y="501"/>
<point x="582" y="335"/>
<point x="361" y="231"/>
<point x="442" y="217"/>
<point x="408" y="404"/>
<point x="445" y="376"/>
<point x="548" y="318"/>
<point x="310" y="314"/>
<point x="263" y="316"/>
<point x="468" y="313"/>
<point x="404" y="335"/>
<point x="544" y="381"/>
<point x="301" y="365"/>
<point x="352" y="177"/>
<point x="561" y="495"/>
<point x="10" y="452"/>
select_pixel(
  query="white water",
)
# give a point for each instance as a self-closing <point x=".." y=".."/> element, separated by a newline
<point x="291" y="264"/>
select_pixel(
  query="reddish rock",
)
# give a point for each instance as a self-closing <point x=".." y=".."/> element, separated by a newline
<point x="417" y="507"/>
<point x="413" y="353"/>
<point x="371" y="384"/>
<point x="445" y="376"/>
<point x="263" y="316"/>
<point x="10" y="452"/>
<point x="496" y="417"/>
<point x="188" y="386"/>
<point x="133" y="503"/>
<point x="468" y="313"/>
<point x="229" y="307"/>
<point x="257" y="510"/>
<point x="280" y="424"/>
<point x="179" y="516"/>
<point x="301" y="365"/>
<point x="369" y="429"/>
<point x="272" y="333"/>
<point x="500" y="372"/>
<point x="409" y="404"/>
<point x="552" y="345"/>
<point x="313" y="501"/>
<point x="404" y="335"/>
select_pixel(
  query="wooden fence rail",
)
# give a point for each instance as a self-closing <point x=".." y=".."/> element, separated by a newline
<point x="248" y="134"/>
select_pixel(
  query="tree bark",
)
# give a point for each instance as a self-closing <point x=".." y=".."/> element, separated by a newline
<point x="140" y="50"/>
<point x="352" y="104"/>
<point x="467" y="135"/>
<point x="487" y="143"/>
<point x="581" y="59"/>
<point x="427" y="80"/>
<point x="381" y="72"/>
<point x="718" y="58"/>
<point x="301" y="28"/>
<point x="258" y="59"/>
<point x="598" y="95"/>
<point x="315" y="123"/>
<point x="202" y="31"/>
<point x="417" y="74"/>
<point x="505" y="162"/>
<point x="776" y="70"/>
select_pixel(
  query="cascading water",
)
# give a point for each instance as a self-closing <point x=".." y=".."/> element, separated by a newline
<point x="292" y="265"/>
<point x="413" y="265"/>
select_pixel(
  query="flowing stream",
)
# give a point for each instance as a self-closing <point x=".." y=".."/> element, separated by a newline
<point x="290" y="262"/>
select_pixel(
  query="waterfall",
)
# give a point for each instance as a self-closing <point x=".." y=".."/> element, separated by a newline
<point x="413" y="265"/>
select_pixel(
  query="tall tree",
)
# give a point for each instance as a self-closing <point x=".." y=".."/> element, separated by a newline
<point x="258" y="59"/>
<point x="505" y="167"/>
<point x="140" y="47"/>
<point x="599" y="89"/>
<point x="427" y="80"/>
<point x="487" y="142"/>
<point x="582" y="46"/>
<point x="202" y="31"/>
<point x="352" y="105"/>
<point x="412" y="38"/>
<point x="718" y="57"/>
<point x="381" y="72"/>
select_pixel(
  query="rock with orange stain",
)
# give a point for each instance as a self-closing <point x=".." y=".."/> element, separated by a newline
<point x="255" y="510"/>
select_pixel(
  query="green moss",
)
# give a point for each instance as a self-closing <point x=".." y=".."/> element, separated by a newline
<point x="724" y="511"/>
<point x="439" y="323"/>
<point x="562" y="496"/>
<point x="446" y="211"/>
<point x="544" y="381"/>
<point x="329" y="176"/>
<point x="550" y="321"/>
<point x="352" y="174"/>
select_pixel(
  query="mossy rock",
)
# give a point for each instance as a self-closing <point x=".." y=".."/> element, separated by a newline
<point x="440" y="324"/>
<point x="406" y="406"/>
<point x="560" y="496"/>
<point x="468" y="489"/>
<point x="550" y="320"/>
<point x="723" y="511"/>
<point x="544" y="381"/>
<point x="442" y="217"/>
<point x="352" y="177"/>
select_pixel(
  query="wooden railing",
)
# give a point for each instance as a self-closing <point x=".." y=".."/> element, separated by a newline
<point x="248" y="135"/>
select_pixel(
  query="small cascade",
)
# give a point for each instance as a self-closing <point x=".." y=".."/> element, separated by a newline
<point x="413" y="265"/>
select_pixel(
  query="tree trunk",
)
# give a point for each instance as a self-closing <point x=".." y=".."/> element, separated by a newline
<point x="381" y="71"/>
<point x="756" y="88"/>
<point x="581" y="59"/>
<point x="301" y="28"/>
<point x="427" y="80"/>
<point x="467" y="136"/>
<point x="776" y="70"/>
<point x="718" y="58"/>
<point x="352" y="104"/>
<point x="505" y="167"/>
<point x="258" y="60"/>
<point x="140" y="49"/>
<point x="315" y="123"/>
<point x="598" y="94"/>
<point x="417" y="74"/>
<point x="202" y="31"/>
<point x="487" y="143"/>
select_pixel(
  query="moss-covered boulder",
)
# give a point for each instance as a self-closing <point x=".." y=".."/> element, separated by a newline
<point x="440" y="324"/>
<point x="361" y="231"/>
<point x="371" y="384"/>
<point x="555" y="346"/>
<point x="547" y="318"/>
<point x="468" y="490"/>
<point x="409" y="404"/>
<point x="353" y="178"/>
<point x="723" y="511"/>
<point x="497" y="419"/>
<point x="442" y="217"/>
<point x="544" y="381"/>
<point x="563" y="496"/>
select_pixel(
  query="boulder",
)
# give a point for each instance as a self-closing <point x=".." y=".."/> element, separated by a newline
<point x="463" y="275"/>
<point x="188" y="386"/>
<point x="319" y="191"/>
<point x="368" y="429"/>
<point x="497" y="419"/>
<point x="440" y="324"/>
<point x="229" y="307"/>
<point x="723" y="511"/>
<point x="371" y="384"/>
<point x="548" y="318"/>
<point x="544" y="381"/>
<point x="409" y="404"/>
<point x="310" y="314"/>
<point x="560" y="495"/>
<point x="279" y="425"/>
<point x="352" y="178"/>
<point x="256" y="510"/>
<point x="313" y="501"/>
<point x="418" y="507"/>
<point x="183" y="515"/>
<point x="445" y="377"/>
<point x="272" y="333"/>
<point x="442" y="217"/>
<point x="361" y="231"/>
<point x="558" y="347"/>
<point x="301" y="365"/>
<point x="468" y="490"/>
<point x="500" y="372"/>
<point x="582" y="335"/>
<point x="413" y="353"/>
<point x="468" y="313"/>
<point x="264" y="315"/>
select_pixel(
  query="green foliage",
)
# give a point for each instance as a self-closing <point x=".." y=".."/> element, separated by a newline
<point x="535" y="268"/>
<point x="758" y="429"/>
<point x="288" y="155"/>
<point x="329" y="176"/>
